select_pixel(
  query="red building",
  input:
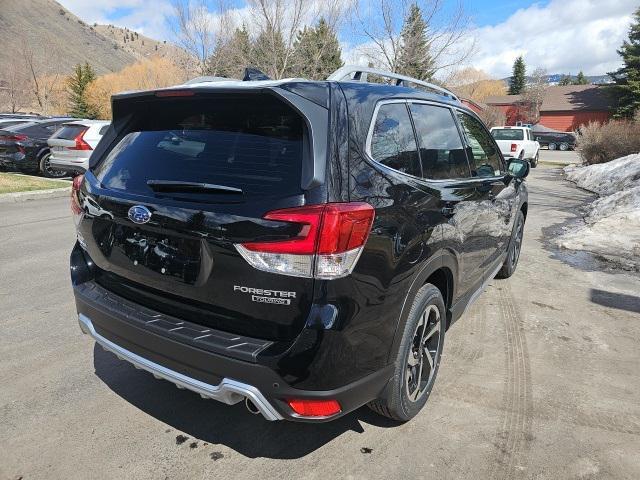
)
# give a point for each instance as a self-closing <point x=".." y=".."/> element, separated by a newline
<point x="564" y="108"/>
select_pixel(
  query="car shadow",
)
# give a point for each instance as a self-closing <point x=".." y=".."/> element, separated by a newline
<point x="619" y="301"/>
<point x="218" y="423"/>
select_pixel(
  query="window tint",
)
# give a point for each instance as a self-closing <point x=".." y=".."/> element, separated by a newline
<point x="69" y="132"/>
<point x="439" y="142"/>
<point x="254" y="144"/>
<point x="507" y="134"/>
<point x="393" y="142"/>
<point x="486" y="159"/>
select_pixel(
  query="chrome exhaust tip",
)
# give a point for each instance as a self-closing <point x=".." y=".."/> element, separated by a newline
<point x="251" y="406"/>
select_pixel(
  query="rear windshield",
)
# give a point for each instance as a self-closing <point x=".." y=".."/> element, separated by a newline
<point x="507" y="134"/>
<point x="254" y="144"/>
<point x="69" y="132"/>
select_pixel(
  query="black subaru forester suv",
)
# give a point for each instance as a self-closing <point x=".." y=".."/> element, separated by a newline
<point x="299" y="245"/>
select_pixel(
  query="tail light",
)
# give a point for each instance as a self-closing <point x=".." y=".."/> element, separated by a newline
<point x="514" y="147"/>
<point x="328" y="245"/>
<point x="80" y="142"/>
<point x="76" y="209"/>
<point x="14" y="138"/>
<point x="315" y="408"/>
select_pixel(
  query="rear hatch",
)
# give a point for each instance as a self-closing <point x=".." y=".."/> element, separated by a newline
<point x="184" y="180"/>
<point x="68" y="146"/>
<point x="507" y="138"/>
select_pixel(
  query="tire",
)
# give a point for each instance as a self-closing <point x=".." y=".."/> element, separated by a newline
<point x="564" y="146"/>
<point x="47" y="171"/>
<point x="405" y="395"/>
<point x="552" y="146"/>
<point x="536" y="159"/>
<point x="515" y="246"/>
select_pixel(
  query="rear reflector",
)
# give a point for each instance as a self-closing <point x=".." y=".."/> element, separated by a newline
<point x="328" y="244"/>
<point x="315" y="408"/>
<point x="175" y="93"/>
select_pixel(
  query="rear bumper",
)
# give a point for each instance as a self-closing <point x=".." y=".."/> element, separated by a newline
<point x="72" y="165"/>
<point x="70" y="168"/>
<point x="18" y="161"/>
<point x="214" y="364"/>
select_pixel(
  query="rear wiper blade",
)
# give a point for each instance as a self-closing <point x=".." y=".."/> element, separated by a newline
<point x="178" y="186"/>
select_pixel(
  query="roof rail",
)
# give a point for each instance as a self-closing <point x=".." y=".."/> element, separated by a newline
<point x="359" y="74"/>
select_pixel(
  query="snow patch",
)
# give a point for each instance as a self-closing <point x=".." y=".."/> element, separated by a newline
<point x="612" y="223"/>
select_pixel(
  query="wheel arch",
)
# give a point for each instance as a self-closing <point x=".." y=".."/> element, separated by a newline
<point x="441" y="269"/>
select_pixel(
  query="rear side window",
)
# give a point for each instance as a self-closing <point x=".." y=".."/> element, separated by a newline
<point x="441" y="149"/>
<point x="69" y="132"/>
<point x="252" y="143"/>
<point x="393" y="143"/>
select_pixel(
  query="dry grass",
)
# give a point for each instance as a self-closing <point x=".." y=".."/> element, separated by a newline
<point x="11" y="182"/>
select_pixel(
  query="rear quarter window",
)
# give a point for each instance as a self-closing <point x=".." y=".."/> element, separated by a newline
<point x="252" y="143"/>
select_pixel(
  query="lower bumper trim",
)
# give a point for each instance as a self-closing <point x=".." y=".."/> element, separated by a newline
<point x="229" y="391"/>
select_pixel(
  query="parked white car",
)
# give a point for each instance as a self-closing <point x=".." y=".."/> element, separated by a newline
<point x="72" y="144"/>
<point x="517" y="142"/>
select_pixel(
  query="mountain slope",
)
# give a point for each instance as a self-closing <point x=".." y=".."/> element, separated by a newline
<point x="59" y="40"/>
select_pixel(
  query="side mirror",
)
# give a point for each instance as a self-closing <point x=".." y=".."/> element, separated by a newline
<point x="519" y="168"/>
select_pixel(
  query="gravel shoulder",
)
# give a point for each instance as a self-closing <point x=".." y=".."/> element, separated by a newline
<point x="539" y="379"/>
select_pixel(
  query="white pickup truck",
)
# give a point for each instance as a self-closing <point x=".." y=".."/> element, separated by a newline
<point x="517" y="142"/>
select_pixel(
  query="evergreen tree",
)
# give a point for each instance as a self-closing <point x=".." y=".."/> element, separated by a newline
<point x="317" y="52"/>
<point x="77" y="85"/>
<point x="269" y="52"/>
<point x="626" y="90"/>
<point x="565" y="80"/>
<point x="230" y="59"/>
<point x="415" y="56"/>
<point x="517" y="83"/>
<point x="581" y="79"/>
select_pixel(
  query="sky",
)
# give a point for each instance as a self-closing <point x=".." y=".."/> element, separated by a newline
<point x="561" y="36"/>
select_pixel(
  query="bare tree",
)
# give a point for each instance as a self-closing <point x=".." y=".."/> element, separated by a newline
<point x="379" y="22"/>
<point x="278" y="23"/>
<point x="13" y="94"/>
<point x="200" y="30"/>
<point x="534" y="94"/>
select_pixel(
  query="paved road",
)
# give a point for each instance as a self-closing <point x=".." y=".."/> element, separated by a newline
<point x="558" y="157"/>
<point x="540" y="380"/>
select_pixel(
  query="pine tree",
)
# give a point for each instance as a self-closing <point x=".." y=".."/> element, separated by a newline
<point x="565" y="80"/>
<point x="317" y="52"/>
<point x="626" y="90"/>
<point x="77" y="85"/>
<point x="269" y="52"/>
<point x="415" y="56"/>
<point x="581" y="79"/>
<point x="230" y="59"/>
<point x="517" y="83"/>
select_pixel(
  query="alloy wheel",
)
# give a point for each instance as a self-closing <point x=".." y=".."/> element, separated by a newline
<point x="424" y="354"/>
<point x="517" y="244"/>
<point x="52" y="172"/>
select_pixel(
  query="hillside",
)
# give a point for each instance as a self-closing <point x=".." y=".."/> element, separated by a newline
<point x="58" y="39"/>
<point x="142" y="47"/>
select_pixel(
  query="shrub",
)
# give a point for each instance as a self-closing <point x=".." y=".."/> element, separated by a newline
<point x="601" y="143"/>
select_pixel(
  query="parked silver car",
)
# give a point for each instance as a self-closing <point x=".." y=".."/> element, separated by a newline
<point x="72" y="144"/>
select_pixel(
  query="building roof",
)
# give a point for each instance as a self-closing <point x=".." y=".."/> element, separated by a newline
<point x="575" y="97"/>
<point x="564" y="98"/>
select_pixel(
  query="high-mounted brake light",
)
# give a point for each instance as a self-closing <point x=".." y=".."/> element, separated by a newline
<point x="175" y="93"/>
<point x="81" y="144"/>
<point x="514" y="147"/>
<point x="315" y="408"/>
<point x="328" y="244"/>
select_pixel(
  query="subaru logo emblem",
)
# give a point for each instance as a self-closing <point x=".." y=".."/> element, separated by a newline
<point x="139" y="214"/>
